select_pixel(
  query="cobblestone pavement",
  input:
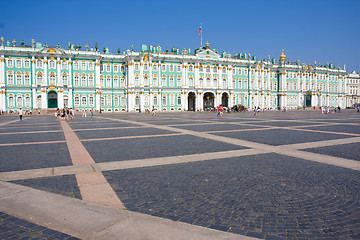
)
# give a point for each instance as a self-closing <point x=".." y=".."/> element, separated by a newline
<point x="224" y="173"/>
<point x="15" y="228"/>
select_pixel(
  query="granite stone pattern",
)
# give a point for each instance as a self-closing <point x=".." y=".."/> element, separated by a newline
<point x="152" y="147"/>
<point x="16" y="228"/>
<point x="215" y="127"/>
<point x="278" y="137"/>
<point x="349" y="151"/>
<point x="34" y="137"/>
<point x="120" y="133"/>
<point x="62" y="185"/>
<point x="338" y="128"/>
<point x="23" y="157"/>
<point x="286" y="198"/>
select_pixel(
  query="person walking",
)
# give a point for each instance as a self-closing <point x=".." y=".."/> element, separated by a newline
<point x="219" y="108"/>
<point x="20" y="114"/>
<point x="153" y="113"/>
<point x="84" y="113"/>
<point x="92" y="112"/>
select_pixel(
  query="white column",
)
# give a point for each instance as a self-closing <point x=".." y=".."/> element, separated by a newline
<point x="141" y="74"/>
<point x="184" y="75"/>
<point x="61" y="98"/>
<point x="58" y="74"/>
<point x="196" y="67"/>
<point x="2" y="83"/>
<point x="97" y="74"/>
<point x="160" y="100"/>
<point x="97" y="101"/>
<point x="43" y="98"/>
<point x="45" y="78"/>
<point x="70" y="97"/>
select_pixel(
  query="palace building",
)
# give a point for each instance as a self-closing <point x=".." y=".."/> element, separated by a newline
<point x="42" y="77"/>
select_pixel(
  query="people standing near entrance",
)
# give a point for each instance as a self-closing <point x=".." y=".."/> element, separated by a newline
<point x="63" y="116"/>
<point x="67" y="114"/>
<point x="92" y="112"/>
<point x="20" y="114"/>
<point x="153" y="113"/>
<point x="84" y="113"/>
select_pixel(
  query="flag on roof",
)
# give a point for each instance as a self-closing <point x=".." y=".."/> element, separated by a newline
<point x="200" y="30"/>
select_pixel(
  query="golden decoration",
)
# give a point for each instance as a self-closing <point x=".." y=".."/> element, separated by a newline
<point x="51" y="50"/>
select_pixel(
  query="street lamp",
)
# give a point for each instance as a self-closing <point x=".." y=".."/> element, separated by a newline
<point x="100" y="92"/>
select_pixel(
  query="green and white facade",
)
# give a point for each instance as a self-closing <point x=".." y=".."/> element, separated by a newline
<point x="41" y="77"/>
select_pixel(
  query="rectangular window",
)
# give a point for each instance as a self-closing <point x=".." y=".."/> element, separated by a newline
<point x="27" y="80"/>
<point x="27" y="63"/>
<point x="91" y="80"/>
<point x="91" y="101"/>
<point x="116" y="68"/>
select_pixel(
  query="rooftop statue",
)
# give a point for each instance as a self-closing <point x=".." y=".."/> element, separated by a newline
<point x="33" y="43"/>
<point x="2" y="40"/>
<point x="87" y="47"/>
<point x="14" y="42"/>
<point x="96" y="47"/>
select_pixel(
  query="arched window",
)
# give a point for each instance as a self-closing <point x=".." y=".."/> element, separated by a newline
<point x="10" y="63"/>
<point x="27" y="63"/>
<point x="136" y="66"/>
<point x="179" y="100"/>
<point x="115" y="67"/>
<point x="52" y="79"/>
<point x="164" y="83"/>
<point x="18" y="63"/>
<point x="137" y="100"/>
<point x="76" y="80"/>
<point x="137" y="82"/>
<point x="155" y="81"/>
<point x="91" y="66"/>
<point x="39" y="64"/>
<point x="83" y="80"/>
<point x="201" y="68"/>
<point x="18" y="79"/>
<point x="191" y="68"/>
<point x="116" y="101"/>
<point x="39" y="79"/>
<point x="64" y="65"/>
<point x="116" y="82"/>
<point x="208" y="82"/>
<point x="108" y="101"/>
<point x="76" y="65"/>
<point x="102" y="81"/>
<point x="171" y="81"/>
<point x="64" y="79"/>
<point x="201" y="81"/>
<point x="19" y="102"/>
<point x="145" y="67"/>
<point x="83" y="101"/>
<point x="179" y="80"/>
<point x="27" y="101"/>
<point x="108" y="82"/>
<point x="27" y="79"/>
<point x="208" y="69"/>
<point x="171" y="68"/>
<point x="77" y="101"/>
<point x="122" y="82"/>
<point x="91" y="80"/>
<point x="83" y="66"/>
<point x="146" y="81"/>
<point x="155" y="100"/>
<point x="146" y="100"/>
<point x="52" y="64"/>
<point x="11" y="102"/>
<point x="163" y="67"/>
<point x="10" y="78"/>
<point x="108" y="68"/>
<point x="172" y="99"/>
<point x="91" y="101"/>
<point x="164" y="100"/>
<point x="191" y="81"/>
<point x="122" y="68"/>
<point x="123" y="101"/>
<point x="215" y="69"/>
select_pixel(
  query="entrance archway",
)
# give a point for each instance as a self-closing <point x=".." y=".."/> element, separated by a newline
<point x="52" y="99"/>
<point x="208" y="101"/>
<point x="191" y="101"/>
<point x="225" y="100"/>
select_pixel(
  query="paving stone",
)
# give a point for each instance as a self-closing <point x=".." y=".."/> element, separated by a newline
<point x="277" y="137"/>
<point x="126" y="149"/>
<point x="349" y="151"/>
<point x="23" y="157"/>
<point x="62" y="185"/>
<point x="16" y="228"/>
<point x="235" y="194"/>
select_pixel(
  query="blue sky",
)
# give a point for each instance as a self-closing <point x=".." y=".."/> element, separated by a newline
<point x="317" y="30"/>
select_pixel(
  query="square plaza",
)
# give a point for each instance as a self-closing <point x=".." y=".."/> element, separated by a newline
<point x="278" y="175"/>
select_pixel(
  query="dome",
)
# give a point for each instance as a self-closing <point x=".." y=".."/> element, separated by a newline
<point x="282" y="56"/>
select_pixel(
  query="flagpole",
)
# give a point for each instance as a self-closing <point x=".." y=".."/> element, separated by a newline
<point x="201" y="36"/>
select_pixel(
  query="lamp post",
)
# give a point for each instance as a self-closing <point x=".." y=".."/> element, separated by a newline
<point x="100" y="91"/>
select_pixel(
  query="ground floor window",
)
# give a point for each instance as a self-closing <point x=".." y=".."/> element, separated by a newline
<point x="11" y="102"/>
